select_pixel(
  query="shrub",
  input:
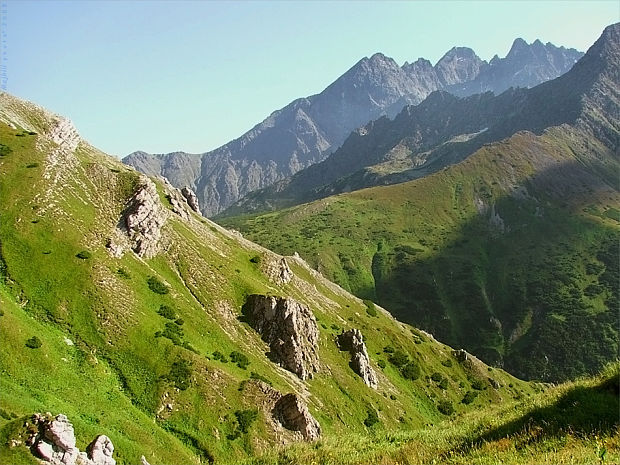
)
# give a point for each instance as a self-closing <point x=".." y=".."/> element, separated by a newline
<point x="167" y="312"/>
<point x="217" y="355"/>
<point x="399" y="359"/>
<point x="381" y="364"/>
<point x="445" y="407"/>
<point x="84" y="255"/>
<point x="5" y="150"/>
<point x="179" y="321"/>
<point x="34" y="342"/>
<point x="255" y="259"/>
<point x="447" y="363"/>
<point x="370" y="308"/>
<point x="372" y="418"/>
<point x="123" y="273"/>
<point x="388" y="349"/>
<point x="443" y="384"/>
<point x="469" y="397"/>
<point x="477" y="384"/>
<point x="32" y="165"/>
<point x="245" y="418"/>
<point x="173" y="332"/>
<point x="180" y="374"/>
<point x="259" y="377"/>
<point x="157" y="286"/>
<point x="240" y="359"/>
<point x="411" y="371"/>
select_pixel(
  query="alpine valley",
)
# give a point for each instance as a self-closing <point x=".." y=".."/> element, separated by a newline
<point x="135" y="330"/>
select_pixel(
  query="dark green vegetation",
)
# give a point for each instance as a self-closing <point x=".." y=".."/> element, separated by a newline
<point x="510" y="269"/>
<point x="511" y="253"/>
<point x="128" y="345"/>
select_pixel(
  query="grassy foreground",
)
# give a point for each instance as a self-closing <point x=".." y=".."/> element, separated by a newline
<point x="573" y="423"/>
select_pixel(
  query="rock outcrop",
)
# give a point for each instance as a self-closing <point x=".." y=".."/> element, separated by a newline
<point x="143" y="219"/>
<point x="353" y="342"/>
<point x="294" y="415"/>
<point x="54" y="442"/>
<point x="289" y="328"/>
<point x="278" y="271"/>
<point x="100" y="451"/>
<point x="191" y="199"/>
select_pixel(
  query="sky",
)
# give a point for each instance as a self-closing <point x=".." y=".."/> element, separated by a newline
<point x="162" y="76"/>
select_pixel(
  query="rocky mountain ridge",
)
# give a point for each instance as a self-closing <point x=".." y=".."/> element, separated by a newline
<point x="308" y="129"/>
<point x="445" y="129"/>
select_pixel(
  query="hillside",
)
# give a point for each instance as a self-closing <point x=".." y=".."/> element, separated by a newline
<point x="139" y="319"/>
<point x="510" y="253"/>
<point x="309" y="129"/>
<point x="444" y="130"/>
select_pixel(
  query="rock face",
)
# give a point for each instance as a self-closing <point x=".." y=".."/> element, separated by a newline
<point x="353" y="342"/>
<point x="293" y="414"/>
<point x="191" y="198"/>
<point x="55" y="443"/>
<point x="289" y="328"/>
<point x="307" y="130"/>
<point x="143" y="219"/>
<point x="279" y="272"/>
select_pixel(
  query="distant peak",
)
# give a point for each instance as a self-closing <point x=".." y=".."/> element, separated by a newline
<point x="518" y="45"/>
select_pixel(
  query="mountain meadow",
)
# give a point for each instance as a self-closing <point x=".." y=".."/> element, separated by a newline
<point x="465" y="313"/>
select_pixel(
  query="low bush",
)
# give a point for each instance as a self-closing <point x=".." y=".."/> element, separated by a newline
<point x="372" y="418"/>
<point x="84" y="255"/>
<point x="445" y="407"/>
<point x="240" y="359"/>
<point x="157" y="286"/>
<point x="34" y="342"/>
<point x="167" y="312"/>
<point x="469" y="397"/>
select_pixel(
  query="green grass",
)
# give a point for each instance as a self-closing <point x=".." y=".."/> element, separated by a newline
<point x="101" y="363"/>
<point x="513" y="296"/>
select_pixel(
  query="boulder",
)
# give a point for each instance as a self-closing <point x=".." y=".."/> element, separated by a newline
<point x="461" y="355"/>
<point x="353" y="342"/>
<point x="294" y="415"/>
<point x="60" y="432"/>
<point x="289" y="328"/>
<point x="100" y="451"/>
<point x="143" y="219"/>
<point x="191" y="199"/>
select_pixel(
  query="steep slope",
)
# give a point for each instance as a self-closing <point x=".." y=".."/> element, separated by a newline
<point x="441" y="131"/>
<point x="510" y="253"/>
<point x="139" y="319"/>
<point x="307" y="130"/>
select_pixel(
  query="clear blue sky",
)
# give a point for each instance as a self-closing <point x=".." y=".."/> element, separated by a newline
<point x="161" y="76"/>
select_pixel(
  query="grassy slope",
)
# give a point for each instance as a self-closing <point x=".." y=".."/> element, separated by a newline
<point x="118" y="376"/>
<point x="514" y="291"/>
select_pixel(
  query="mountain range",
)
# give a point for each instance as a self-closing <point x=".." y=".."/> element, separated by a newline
<point x="309" y="129"/>
<point x="504" y="239"/>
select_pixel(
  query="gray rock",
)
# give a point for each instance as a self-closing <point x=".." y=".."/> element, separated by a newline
<point x="289" y="328"/>
<point x="461" y="355"/>
<point x="191" y="198"/>
<point x="143" y="219"/>
<point x="143" y="461"/>
<point x="100" y="451"/>
<point x="353" y="342"/>
<point x="60" y="432"/>
<point x="308" y="130"/>
<point x="294" y="415"/>
<point x="278" y="271"/>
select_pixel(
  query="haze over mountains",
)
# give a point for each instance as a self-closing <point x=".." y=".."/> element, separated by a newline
<point x="509" y="252"/>
<point x="308" y="129"/>
<point x="440" y="131"/>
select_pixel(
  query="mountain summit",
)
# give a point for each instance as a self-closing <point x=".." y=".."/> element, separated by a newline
<point x="308" y="129"/>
